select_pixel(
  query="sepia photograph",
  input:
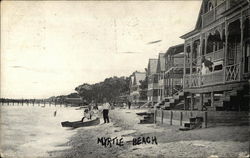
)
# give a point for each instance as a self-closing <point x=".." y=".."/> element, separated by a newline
<point x="125" y="79"/>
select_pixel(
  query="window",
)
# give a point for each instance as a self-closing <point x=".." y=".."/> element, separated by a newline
<point x="218" y="67"/>
<point x="210" y="6"/>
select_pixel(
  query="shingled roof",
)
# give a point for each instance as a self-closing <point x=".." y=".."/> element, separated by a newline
<point x="137" y="77"/>
<point x="175" y="49"/>
<point x="152" y="66"/>
<point x="161" y="62"/>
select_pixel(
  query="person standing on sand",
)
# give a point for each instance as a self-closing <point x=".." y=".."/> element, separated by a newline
<point x="105" y="111"/>
<point x="55" y="113"/>
<point x="129" y="104"/>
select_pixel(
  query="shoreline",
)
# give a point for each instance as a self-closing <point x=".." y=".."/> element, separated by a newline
<point x="221" y="141"/>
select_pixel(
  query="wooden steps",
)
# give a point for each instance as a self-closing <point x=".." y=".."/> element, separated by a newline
<point x="172" y="102"/>
<point x="233" y="96"/>
<point x="148" y="118"/>
<point x="143" y="113"/>
<point x="194" y="123"/>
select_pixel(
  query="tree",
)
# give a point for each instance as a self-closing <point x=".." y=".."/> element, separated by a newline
<point x="111" y="88"/>
<point x="85" y="91"/>
<point x="144" y="87"/>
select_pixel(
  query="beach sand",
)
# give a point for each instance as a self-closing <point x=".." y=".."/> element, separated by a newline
<point x="221" y="141"/>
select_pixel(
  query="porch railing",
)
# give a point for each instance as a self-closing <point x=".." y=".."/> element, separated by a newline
<point x="195" y="80"/>
<point x="212" y="78"/>
<point x="213" y="14"/>
<point x="153" y="86"/>
<point x="232" y="73"/>
<point x="208" y="18"/>
<point x="161" y="82"/>
<point x="220" y="9"/>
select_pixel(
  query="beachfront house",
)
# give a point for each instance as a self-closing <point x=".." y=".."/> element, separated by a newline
<point x="136" y="94"/>
<point x="153" y="88"/>
<point x="217" y="57"/>
<point x="161" y="67"/>
<point x="172" y="77"/>
<point x="174" y="69"/>
<point x="216" y="74"/>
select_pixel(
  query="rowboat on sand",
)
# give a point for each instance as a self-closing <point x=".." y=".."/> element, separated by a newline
<point x="77" y="124"/>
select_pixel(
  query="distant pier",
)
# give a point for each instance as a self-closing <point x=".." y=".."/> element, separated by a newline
<point x="32" y="102"/>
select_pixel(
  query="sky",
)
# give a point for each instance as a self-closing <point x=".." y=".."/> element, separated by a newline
<point x="50" y="47"/>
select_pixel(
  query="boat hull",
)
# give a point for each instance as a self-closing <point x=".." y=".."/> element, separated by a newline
<point x="77" y="124"/>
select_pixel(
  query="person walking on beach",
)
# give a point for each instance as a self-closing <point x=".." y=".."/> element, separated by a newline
<point x="105" y="111"/>
<point x="129" y="104"/>
<point x="55" y="113"/>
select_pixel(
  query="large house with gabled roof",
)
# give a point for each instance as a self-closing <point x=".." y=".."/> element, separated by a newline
<point x="152" y="76"/>
<point x="216" y="73"/>
<point x="171" y="79"/>
<point x="161" y="68"/>
<point x="135" y="95"/>
<point x="217" y="57"/>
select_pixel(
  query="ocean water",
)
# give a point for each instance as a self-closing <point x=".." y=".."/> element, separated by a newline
<point x="32" y="131"/>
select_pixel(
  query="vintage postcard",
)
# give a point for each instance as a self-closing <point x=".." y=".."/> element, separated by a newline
<point x="100" y="79"/>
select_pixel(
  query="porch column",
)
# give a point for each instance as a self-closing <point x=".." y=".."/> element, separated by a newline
<point x="172" y="85"/>
<point x="212" y="101"/>
<point x="192" y="102"/>
<point x="184" y="73"/>
<point x="160" y="93"/>
<point x="244" y="44"/>
<point x="163" y="88"/>
<point x="191" y="57"/>
<point x="225" y="50"/>
<point x="241" y="46"/>
<point x="184" y="105"/>
<point x="167" y="83"/>
<point x="206" y="36"/>
<point x="184" y="70"/>
<point x="226" y="42"/>
<point x="201" y="102"/>
<point x="201" y="45"/>
<point x="191" y="63"/>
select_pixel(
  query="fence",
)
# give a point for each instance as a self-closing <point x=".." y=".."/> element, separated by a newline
<point x="211" y="118"/>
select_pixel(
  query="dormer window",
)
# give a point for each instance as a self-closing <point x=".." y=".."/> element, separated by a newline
<point x="209" y="6"/>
